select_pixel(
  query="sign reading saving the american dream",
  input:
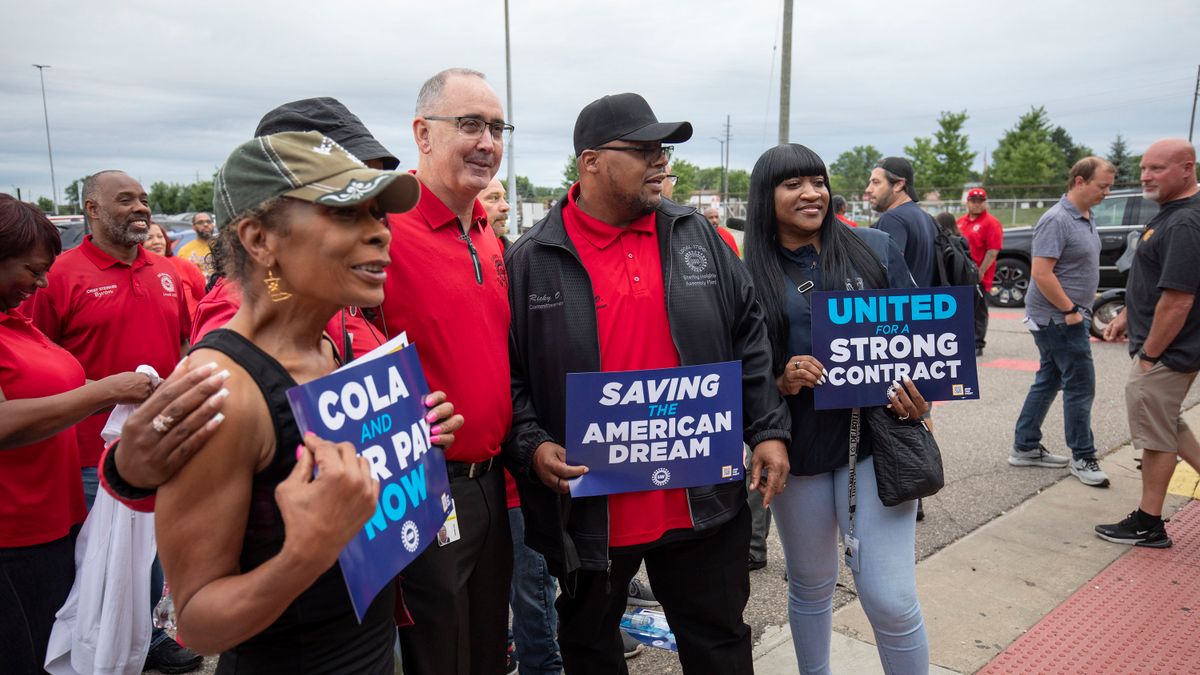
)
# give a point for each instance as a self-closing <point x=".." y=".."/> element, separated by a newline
<point x="868" y="339"/>
<point x="376" y="404"/>
<point x="654" y="429"/>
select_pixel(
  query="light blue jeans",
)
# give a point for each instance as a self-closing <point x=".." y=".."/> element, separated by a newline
<point x="808" y="516"/>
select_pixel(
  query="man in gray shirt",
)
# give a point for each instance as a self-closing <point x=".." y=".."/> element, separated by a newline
<point x="1066" y="273"/>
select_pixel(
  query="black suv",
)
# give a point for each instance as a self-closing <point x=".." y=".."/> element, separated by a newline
<point x="1122" y="212"/>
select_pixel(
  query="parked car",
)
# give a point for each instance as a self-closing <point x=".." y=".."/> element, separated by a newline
<point x="1122" y="212"/>
<point x="71" y="230"/>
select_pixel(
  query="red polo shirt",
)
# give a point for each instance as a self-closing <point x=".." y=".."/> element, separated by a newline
<point x="41" y="493"/>
<point x="112" y="317"/>
<point x="454" y="307"/>
<point x="626" y="273"/>
<point x="193" y="283"/>
<point x="727" y="237"/>
<point x="984" y="233"/>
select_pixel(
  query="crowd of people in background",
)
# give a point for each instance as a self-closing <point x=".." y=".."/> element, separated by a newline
<point x="280" y="287"/>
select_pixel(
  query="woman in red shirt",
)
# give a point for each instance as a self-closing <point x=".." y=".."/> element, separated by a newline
<point x="43" y="393"/>
<point x="189" y="274"/>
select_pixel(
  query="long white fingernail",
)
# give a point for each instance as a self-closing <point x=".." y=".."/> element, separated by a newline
<point x="215" y="421"/>
<point x="224" y="374"/>
<point x="181" y="362"/>
<point x="218" y="397"/>
<point x="208" y="367"/>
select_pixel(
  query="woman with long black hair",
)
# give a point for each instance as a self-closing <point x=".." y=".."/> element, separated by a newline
<point x="795" y="244"/>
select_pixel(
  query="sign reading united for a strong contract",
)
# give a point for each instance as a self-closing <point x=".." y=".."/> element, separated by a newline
<point x="655" y="429"/>
<point x="868" y="339"/>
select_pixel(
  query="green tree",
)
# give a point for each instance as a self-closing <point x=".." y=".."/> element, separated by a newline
<point x="46" y="205"/>
<point x="1071" y="151"/>
<point x="1128" y="171"/>
<point x="570" y="172"/>
<point x="709" y="179"/>
<point x="739" y="182"/>
<point x="167" y="198"/>
<point x="524" y="189"/>
<point x="851" y="171"/>
<point x="1026" y="158"/>
<point x="944" y="161"/>
<point x="200" y="196"/>
<point x="689" y="178"/>
<point x="74" y="193"/>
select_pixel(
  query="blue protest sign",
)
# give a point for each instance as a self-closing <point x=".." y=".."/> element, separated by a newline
<point x="375" y="404"/>
<point x="654" y="429"/>
<point x="867" y="339"/>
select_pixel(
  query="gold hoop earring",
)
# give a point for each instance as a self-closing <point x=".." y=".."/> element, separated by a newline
<point x="276" y="293"/>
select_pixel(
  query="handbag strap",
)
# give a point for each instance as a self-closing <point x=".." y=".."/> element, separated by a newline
<point x="855" y="434"/>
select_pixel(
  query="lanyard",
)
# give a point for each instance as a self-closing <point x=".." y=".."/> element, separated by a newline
<point x="855" y="424"/>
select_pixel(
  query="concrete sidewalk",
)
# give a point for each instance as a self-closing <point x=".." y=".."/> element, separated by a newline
<point x="983" y="592"/>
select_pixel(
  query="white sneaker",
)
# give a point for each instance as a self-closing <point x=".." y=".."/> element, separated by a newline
<point x="1088" y="472"/>
<point x="1039" y="456"/>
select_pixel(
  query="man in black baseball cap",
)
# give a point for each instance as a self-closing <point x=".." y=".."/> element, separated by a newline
<point x="624" y="117"/>
<point x="328" y="116"/>
<point x="610" y="256"/>
<point x="892" y="193"/>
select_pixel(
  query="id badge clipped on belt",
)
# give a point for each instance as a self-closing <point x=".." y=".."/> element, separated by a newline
<point x="851" y="544"/>
<point x="449" y="532"/>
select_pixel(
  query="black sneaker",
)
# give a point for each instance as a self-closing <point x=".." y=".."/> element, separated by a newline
<point x="640" y="594"/>
<point x="1130" y="531"/>
<point x="170" y="657"/>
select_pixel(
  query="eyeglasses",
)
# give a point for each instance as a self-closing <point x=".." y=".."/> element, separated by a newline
<point x="649" y="154"/>
<point x="472" y="127"/>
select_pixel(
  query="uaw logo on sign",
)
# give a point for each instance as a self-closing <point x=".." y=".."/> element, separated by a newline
<point x="410" y="535"/>
<point x="167" y="282"/>
<point x="650" y="429"/>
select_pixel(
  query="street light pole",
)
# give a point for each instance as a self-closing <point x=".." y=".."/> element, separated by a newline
<point x="49" y="150"/>
<point x="1195" y="95"/>
<point x="785" y="74"/>
<point x="512" y="172"/>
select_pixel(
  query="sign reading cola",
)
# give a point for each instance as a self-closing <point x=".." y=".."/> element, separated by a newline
<point x="375" y="404"/>
<point x="869" y="339"/>
<point x="651" y="429"/>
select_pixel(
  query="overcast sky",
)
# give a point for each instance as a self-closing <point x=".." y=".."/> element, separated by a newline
<point x="165" y="90"/>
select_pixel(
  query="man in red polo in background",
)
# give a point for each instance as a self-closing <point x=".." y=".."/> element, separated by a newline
<point x="985" y="234"/>
<point x="448" y="288"/>
<point x="116" y="306"/>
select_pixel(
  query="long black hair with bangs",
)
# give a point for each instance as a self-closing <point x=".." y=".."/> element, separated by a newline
<point x="845" y="258"/>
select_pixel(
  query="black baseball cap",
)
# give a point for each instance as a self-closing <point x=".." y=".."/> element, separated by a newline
<point x="902" y="168"/>
<point x="624" y="117"/>
<point x="331" y="118"/>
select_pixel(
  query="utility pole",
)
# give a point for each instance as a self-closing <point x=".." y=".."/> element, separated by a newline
<point x="49" y="150"/>
<point x="1195" y="95"/>
<point x="785" y="74"/>
<point x="513" y="197"/>
<point x="725" y="167"/>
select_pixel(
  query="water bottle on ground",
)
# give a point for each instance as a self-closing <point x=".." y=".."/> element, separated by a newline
<point x="650" y="628"/>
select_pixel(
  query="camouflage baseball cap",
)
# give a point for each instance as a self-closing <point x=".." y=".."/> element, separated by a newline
<point x="307" y="166"/>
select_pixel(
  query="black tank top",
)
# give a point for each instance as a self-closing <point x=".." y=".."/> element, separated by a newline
<point x="318" y="632"/>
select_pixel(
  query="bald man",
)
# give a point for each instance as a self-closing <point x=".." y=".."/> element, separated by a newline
<point x="1163" y="323"/>
<point x="713" y="215"/>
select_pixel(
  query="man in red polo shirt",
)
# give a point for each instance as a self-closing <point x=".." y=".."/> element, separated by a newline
<point x="985" y="234"/>
<point x="115" y="306"/>
<point x="615" y="278"/>
<point x="447" y="288"/>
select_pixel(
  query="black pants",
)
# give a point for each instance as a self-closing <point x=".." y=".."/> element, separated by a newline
<point x="34" y="584"/>
<point x="703" y="585"/>
<point x="981" y="317"/>
<point x="458" y="593"/>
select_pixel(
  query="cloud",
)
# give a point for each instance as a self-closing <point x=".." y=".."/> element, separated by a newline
<point x="166" y="90"/>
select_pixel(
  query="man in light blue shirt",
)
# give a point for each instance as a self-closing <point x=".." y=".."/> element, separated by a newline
<point x="1065" y="275"/>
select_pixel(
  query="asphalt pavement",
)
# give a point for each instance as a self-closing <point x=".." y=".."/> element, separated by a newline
<point x="975" y="437"/>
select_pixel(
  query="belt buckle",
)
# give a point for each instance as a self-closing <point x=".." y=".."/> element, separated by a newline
<point x="479" y="468"/>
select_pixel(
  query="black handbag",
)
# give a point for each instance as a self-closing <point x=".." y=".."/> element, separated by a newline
<point x="908" y="462"/>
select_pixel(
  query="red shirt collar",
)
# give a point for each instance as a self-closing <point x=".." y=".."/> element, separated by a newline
<point x="437" y="215"/>
<point x="599" y="233"/>
<point x="104" y="261"/>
